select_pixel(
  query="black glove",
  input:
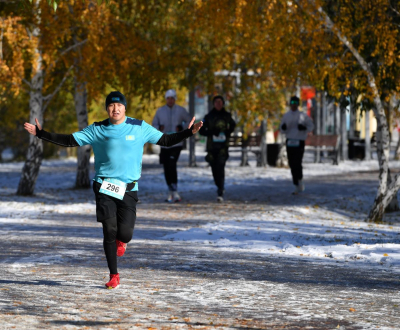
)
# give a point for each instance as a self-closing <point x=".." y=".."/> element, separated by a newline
<point x="284" y="127"/>
<point x="301" y="127"/>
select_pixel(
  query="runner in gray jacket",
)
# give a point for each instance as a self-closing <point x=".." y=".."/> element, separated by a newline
<point x="296" y="125"/>
<point x="171" y="118"/>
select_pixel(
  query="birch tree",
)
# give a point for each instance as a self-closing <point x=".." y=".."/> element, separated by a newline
<point x="385" y="38"/>
<point x="37" y="101"/>
<point x="27" y="67"/>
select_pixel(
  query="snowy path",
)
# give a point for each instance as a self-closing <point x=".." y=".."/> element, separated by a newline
<point x="261" y="260"/>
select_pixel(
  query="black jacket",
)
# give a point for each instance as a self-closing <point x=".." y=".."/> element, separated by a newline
<point x="215" y="123"/>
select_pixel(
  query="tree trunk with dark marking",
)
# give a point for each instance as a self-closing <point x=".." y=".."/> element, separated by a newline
<point x="83" y="169"/>
<point x="34" y="155"/>
<point x="386" y="191"/>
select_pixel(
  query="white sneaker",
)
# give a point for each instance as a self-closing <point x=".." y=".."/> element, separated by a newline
<point x="176" y="196"/>
<point x="170" y="198"/>
<point x="220" y="199"/>
<point x="301" y="186"/>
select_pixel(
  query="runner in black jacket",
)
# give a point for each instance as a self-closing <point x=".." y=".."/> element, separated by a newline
<point x="218" y="125"/>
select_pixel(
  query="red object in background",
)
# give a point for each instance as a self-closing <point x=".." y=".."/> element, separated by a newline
<point x="199" y="93"/>
<point x="309" y="107"/>
<point x="307" y="92"/>
<point x="276" y="134"/>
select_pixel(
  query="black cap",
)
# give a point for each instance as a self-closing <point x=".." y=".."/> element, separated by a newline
<point x="115" y="97"/>
<point x="294" y="100"/>
<point x="218" y="97"/>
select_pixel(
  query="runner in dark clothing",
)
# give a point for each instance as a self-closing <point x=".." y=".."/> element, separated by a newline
<point x="118" y="148"/>
<point x="218" y="126"/>
<point x="296" y="125"/>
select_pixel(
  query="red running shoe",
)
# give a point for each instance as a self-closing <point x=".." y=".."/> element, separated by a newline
<point x="114" y="281"/>
<point x="121" y="248"/>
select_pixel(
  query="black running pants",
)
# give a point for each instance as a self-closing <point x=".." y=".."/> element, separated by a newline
<point x="295" y="158"/>
<point x="217" y="159"/>
<point x="118" y="219"/>
<point x="169" y="158"/>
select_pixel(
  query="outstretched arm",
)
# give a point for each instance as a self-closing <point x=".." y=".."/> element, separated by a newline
<point x="168" y="140"/>
<point x="64" y="140"/>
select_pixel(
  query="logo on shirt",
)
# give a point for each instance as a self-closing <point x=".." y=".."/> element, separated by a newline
<point x="129" y="137"/>
<point x="115" y="99"/>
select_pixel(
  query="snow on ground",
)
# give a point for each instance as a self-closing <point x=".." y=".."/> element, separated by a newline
<point x="305" y="231"/>
<point x="262" y="259"/>
<point x="328" y="226"/>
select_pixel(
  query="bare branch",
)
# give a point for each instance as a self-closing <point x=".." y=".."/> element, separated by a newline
<point x="73" y="46"/>
<point x="66" y="51"/>
<point x="393" y="9"/>
<point x="27" y="82"/>
<point x="361" y="61"/>
<point x="49" y="97"/>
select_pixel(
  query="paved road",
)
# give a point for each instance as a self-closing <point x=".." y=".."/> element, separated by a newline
<point x="53" y="270"/>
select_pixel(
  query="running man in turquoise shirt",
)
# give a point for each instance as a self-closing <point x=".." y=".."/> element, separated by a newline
<point x="118" y="148"/>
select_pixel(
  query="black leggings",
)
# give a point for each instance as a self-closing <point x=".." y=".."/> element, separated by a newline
<point x="217" y="159"/>
<point x="118" y="219"/>
<point x="295" y="158"/>
<point x="112" y="231"/>
<point x="169" y="158"/>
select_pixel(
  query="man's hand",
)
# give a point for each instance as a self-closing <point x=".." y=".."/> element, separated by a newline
<point x="32" y="128"/>
<point x="301" y="127"/>
<point x="195" y="127"/>
<point x="284" y="127"/>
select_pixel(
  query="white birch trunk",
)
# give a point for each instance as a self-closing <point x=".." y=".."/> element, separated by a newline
<point x="367" y="136"/>
<point x="344" y="151"/>
<point x="393" y="205"/>
<point x="382" y="138"/>
<point x="282" y="160"/>
<point x="397" y="151"/>
<point x="262" y="159"/>
<point x="34" y="155"/>
<point x="192" y="140"/>
<point x="83" y="169"/>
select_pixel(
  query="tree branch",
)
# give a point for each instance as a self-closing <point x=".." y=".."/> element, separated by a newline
<point x="393" y="9"/>
<point x="49" y="97"/>
<point x="65" y="51"/>
<point x="73" y="46"/>
<point x="27" y="82"/>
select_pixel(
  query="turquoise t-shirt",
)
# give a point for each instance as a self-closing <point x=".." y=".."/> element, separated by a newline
<point x="118" y="149"/>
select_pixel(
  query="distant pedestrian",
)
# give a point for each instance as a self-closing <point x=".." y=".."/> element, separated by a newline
<point x="118" y="149"/>
<point x="296" y="125"/>
<point x="171" y="118"/>
<point x="218" y="125"/>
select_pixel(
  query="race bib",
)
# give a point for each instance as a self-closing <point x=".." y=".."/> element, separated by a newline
<point x="220" y="138"/>
<point x="293" y="143"/>
<point x="113" y="188"/>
